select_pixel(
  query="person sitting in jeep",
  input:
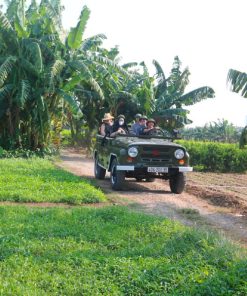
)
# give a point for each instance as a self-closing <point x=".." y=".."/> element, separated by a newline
<point x="119" y="127"/>
<point x="106" y="127"/>
<point x="150" y="129"/>
<point x="142" y="125"/>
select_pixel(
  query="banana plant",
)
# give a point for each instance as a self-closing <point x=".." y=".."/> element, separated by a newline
<point x="170" y="99"/>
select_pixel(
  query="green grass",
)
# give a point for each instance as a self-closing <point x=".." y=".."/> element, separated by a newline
<point x="37" y="180"/>
<point x="112" y="251"/>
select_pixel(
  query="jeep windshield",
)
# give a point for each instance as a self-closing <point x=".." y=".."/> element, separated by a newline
<point x="159" y="133"/>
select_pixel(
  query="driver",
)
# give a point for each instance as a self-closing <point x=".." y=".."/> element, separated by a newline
<point x="150" y="129"/>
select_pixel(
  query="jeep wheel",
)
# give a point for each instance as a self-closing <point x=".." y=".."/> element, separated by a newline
<point x="138" y="179"/>
<point x="117" y="177"/>
<point x="177" y="183"/>
<point x="99" y="172"/>
<point x="150" y="179"/>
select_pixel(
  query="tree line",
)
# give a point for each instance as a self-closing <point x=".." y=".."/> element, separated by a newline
<point x="50" y="78"/>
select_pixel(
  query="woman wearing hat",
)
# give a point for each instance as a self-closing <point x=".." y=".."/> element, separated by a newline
<point x="107" y="124"/>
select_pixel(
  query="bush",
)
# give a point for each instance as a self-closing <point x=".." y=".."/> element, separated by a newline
<point x="216" y="157"/>
<point x="26" y="153"/>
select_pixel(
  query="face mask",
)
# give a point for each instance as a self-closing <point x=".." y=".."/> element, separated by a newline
<point x="121" y="121"/>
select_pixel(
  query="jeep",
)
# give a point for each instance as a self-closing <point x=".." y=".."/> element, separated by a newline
<point x="143" y="158"/>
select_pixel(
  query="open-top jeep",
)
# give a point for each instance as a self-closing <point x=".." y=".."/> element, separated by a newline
<point x="141" y="157"/>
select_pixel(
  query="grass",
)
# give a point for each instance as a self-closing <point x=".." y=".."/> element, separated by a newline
<point x="37" y="180"/>
<point x="112" y="251"/>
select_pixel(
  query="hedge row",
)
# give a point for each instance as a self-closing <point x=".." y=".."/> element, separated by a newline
<point x="216" y="157"/>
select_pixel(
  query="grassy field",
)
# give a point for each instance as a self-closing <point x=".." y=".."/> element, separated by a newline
<point x="37" y="180"/>
<point x="112" y="251"/>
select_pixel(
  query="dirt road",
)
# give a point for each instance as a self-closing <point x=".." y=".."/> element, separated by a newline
<point x="203" y="204"/>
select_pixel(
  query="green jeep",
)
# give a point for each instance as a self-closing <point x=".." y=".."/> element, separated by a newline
<point x="141" y="157"/>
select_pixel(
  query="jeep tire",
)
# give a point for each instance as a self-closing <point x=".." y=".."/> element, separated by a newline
<point x="117" y="177"/>
<point x="177" y="183"/>
<point x="99" y="172"/>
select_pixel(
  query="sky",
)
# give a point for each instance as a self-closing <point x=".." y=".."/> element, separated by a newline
<point x="208" y="36"/>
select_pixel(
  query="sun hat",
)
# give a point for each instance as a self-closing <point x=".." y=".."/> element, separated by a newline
<point x="107" y="116"/>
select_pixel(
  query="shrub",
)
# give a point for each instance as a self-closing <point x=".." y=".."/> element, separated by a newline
<point x="216" y="157"/>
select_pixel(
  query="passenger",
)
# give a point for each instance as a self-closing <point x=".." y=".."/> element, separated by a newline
<point x="107" y="125"/>
<point x="150" y="129"/>
<point x="136" y="125"/>
<point x="142" y="124"/>
<point x="120" y="126"/>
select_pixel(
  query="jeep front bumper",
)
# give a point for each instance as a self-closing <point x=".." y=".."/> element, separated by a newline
<point x="165" y="169"/>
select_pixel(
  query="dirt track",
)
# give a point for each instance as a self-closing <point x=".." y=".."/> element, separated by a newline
<point x="203" y="203"/>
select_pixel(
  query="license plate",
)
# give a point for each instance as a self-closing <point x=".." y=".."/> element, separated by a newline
<point x="157" y="170"/>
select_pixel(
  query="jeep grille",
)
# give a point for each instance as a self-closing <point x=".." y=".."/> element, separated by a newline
<point x="158" y="154"/>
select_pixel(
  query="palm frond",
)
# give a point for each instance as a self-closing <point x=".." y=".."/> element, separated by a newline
<point x="93" y="41"/>
<point x="5" y="23"/>
<point x="94" y="84"/>
<point x="57" y="68"/>
<point x="129" y="65"/>
<point x="20" y="29"/>
<point x="238" y="82"/>
<point x="81" y="66"/>
<point x="34" y="52"/>
<point x="71" y="100"/>
<point x="28" y="67"/>
<point x="160" y="80"/>
<point x="23" y="93"/>
<point x="33" y="8"/>
<point x="123" y="95"/>
<point x="112" y="81"/>
<point x="6" y="68"/>
<point x="112" y="64"/>
<point x="70" y="84"/>
<point x="160" y="75"/>
<point x="197" y="95"/>
<point x="75" y="35"/>
<point x="53" y="9"/>
<point x="5" y="91"/>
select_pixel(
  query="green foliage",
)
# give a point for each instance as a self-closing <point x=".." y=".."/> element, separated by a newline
<point x="170" y="98"/>
<point x="25" y="153"/>
<point x="113" y="251"/>
<point x="216" y="157"/>
<point x="37" y="180"/>
<point x="75" y="35"/>
<point x="243" y="138"/>
<point x="220" y="131"/>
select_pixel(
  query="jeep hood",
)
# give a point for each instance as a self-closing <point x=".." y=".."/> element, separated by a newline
<point x="127" y="141"/>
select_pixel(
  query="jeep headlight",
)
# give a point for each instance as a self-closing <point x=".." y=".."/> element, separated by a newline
<point x="133" y="152"/>
<point x="179" y="154"/>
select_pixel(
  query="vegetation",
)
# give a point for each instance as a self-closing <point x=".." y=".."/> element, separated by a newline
<point x="238" y="83"/>
<point x="220" y="131"/>
<point x="50" y="79"/>
<point x="113" y="251"/>
<point x="37" y="180"/>
<point x="216" y="157"/>
<point x="170" y="98"/>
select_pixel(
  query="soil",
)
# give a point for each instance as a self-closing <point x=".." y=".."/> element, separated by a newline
<point x="212" y="201"/>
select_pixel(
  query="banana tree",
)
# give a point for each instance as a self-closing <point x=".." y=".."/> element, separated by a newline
<point x="170" y="99"/>
<point x="238" y="83"/>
